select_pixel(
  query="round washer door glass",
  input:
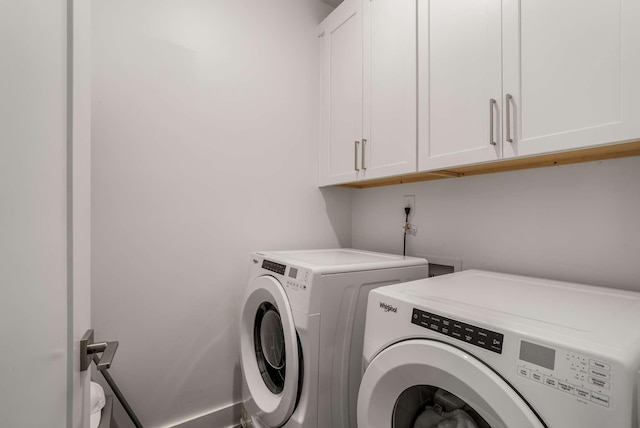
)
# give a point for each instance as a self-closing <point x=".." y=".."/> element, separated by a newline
<point x="270" y="353"/>
<point x="270" y="347"/>
<point x="430" y="406"/>
<point x="410" y="371"/>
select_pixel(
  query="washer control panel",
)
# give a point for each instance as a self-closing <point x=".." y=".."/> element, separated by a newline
<point x="293" y="278"/>
<point x="468" y="333"/>
<point x="588" y="379"/>
<point x="296" y="279"/>
<point x="274" y="267"/>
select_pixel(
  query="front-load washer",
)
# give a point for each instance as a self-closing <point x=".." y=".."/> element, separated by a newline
<point x="502" y="351"/>
<point x="301" y="332"/>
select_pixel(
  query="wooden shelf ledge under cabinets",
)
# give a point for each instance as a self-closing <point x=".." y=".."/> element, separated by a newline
<point x="564" y="158"/>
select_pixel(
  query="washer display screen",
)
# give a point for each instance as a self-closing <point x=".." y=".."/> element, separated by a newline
<point x="538" y="355"/>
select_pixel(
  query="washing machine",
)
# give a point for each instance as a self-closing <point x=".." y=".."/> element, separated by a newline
<point x="482" y="349"/>
<point x="301" y="333"/>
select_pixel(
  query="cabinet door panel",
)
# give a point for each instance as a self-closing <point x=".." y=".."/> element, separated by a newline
<point x="460" y="70"/>
<point x="572" y="67"/>
<point x="341" y="38"/>
<point x="390" y="90"/>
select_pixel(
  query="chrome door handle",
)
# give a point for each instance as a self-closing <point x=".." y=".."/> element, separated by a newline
<point x="89" y="351"/>
<point x="108" y="350"/>
<point x="492" y="103"/>
<point x="508" y="100"/>
<point x="88" y="348"/>
<point x="364" y="146"/>
<point x="355" y="155"/>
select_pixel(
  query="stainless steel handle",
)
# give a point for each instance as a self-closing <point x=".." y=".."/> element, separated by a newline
<point x="89" y="349"/>
<point x="492" y="103"/>
<point x="108" y="350"/>
<point x="355" y="155"/>
<point x="364" y="146"/>
<point x="508" y="100"/>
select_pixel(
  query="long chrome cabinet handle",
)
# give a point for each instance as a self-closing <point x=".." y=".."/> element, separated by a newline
<point x="364" y="146"/>
<point x="508" y="99"/>
<point x="355" y="155"/>
<point x="492" y="103"/>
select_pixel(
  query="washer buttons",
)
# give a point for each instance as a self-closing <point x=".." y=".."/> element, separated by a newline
<point x="538" y="377"/>
<point x="524" y="372"/>
<point x="600" y="399"/>
<point x="599" y="373"/>
<point x="551" y="381"/>
<point x="600" y="365"/>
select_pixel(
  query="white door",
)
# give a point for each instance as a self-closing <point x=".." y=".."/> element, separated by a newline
<point x="389" y="143"/>
<point x="572" y="68"/>
<point x="404" y="381"/>
<point x="341" y="111"/>
<point x="269" y="352"/>
<point x="44" y="212"/>
<point x="460" y="72"/>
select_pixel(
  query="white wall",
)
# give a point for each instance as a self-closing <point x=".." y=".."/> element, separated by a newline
<point x="576" y="222"/>
<point x="205" y="128"/>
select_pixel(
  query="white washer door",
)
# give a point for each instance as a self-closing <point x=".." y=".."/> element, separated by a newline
<point x="420" y="362"/>
<point x="269" y="352"/>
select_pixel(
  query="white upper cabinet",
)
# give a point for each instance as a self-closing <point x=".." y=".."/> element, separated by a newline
<point x="368" y="91"/>
<point x="460" y="82"/>
<point x="341" y="126"/>
<point x="573" y="70"/>
<point x="390" y="93"/>
<point x="427" y="85"/>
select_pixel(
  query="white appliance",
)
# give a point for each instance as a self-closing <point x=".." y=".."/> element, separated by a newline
<point x="507" y="351"/>
<point x="301" y="332"/>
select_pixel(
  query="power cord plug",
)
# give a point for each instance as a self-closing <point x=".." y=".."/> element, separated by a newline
<point x="405" y="229"/>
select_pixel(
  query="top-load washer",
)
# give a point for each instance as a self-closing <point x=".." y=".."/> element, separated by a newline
<point x="301" y="332"/>
<point x="493" y="350"/>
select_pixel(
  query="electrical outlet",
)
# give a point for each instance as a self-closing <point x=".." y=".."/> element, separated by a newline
<point x="413" y="230"/>
<point x="409" y="201"/>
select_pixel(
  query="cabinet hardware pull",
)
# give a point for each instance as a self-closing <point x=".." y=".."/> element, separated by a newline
<point x="492" y="103"/>
<point x="508" y="101"/>
<point x="355" y="155"/>
<point x="364" y="146"/>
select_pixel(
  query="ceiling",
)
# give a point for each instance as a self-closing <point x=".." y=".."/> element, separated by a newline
<point x="333" y="3"/>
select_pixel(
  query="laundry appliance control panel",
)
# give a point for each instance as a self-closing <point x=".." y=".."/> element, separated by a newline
<point x="478" y="336"/>
<point x="293" y="278"/>
<point x="586" y="378"/>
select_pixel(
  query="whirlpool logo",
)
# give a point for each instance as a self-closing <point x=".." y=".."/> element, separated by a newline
<point x="388" y="308"/>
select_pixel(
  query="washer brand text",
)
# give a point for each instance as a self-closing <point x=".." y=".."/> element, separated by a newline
<point x="388" y="308"/>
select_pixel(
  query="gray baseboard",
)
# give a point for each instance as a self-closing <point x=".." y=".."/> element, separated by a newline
<point x="225" y="417"/>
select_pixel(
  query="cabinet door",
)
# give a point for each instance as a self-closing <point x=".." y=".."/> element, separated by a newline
<point x="341" y="129"/>
<point x="572" y="67"/>
<point x="390" y="90"/>
<point x="460" y="72"/>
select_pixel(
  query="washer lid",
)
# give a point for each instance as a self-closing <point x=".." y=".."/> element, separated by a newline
<point x="422" y="362"/>
<point x="337" y="257"/>
<point x="269" y="352"/>
<point x="576" y="306"/>
<point x="342" y="260"/>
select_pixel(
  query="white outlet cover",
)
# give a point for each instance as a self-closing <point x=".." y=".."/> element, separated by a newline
<point x="409" y="201"/>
